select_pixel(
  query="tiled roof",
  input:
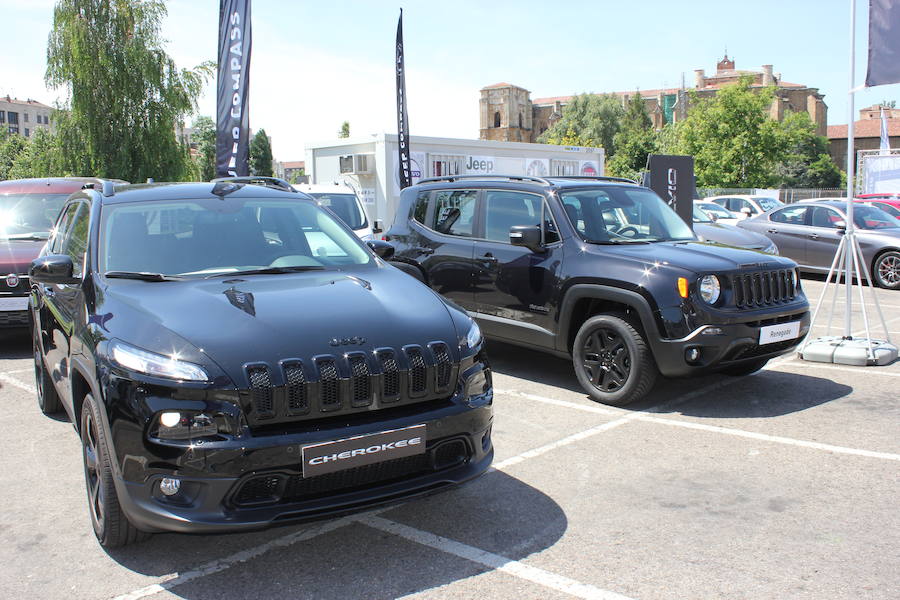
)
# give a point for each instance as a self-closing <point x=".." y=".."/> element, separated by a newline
<point x="294" y="164"/>
<point x="499" y="85"/>
<point x="865" y="129"/>
<point x="28" y="102"/>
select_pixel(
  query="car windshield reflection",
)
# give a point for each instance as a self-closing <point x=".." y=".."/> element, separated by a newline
<point x="29" y="216"/>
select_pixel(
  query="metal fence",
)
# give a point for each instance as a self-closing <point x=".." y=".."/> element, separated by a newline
<point x="787" y="195"/>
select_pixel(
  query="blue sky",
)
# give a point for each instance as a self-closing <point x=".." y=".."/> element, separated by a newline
<point x="316" y="64"/>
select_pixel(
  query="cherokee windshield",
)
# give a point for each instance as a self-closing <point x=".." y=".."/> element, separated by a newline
<point x="29" y="215"/>
<point x="622" y="215"/>
<point x="207" y="237"/>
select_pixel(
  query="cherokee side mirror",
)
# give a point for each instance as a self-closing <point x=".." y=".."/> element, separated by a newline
<point x="54" y="268"/>
<point x="528" y="236"/>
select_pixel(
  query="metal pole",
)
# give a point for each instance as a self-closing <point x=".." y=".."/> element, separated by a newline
<point x="851" y="158"/>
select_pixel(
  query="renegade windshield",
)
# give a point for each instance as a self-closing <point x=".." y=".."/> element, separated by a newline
<point x="621" y="215"/>
<point x="219" y="237"/>
<point x="29" y="216"/>
<point x="345" y="206"/>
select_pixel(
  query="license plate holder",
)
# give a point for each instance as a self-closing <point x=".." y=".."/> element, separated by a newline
<point x="11" y="303"/>
<point x="357" y="451"/>
<point x="779" y="333"/>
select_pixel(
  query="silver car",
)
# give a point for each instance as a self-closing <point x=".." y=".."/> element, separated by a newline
<point x="709" y="230"/>
<point x="809" y="233"/>
<point x="746" y="205"/>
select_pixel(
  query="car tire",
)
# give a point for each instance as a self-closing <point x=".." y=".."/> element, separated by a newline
<point x="886" y="270"/>
<point x="746" y="368"/>
<point x="48" y="398"/>
<point x="111" y="526"/>
<point x="612" y="361"/>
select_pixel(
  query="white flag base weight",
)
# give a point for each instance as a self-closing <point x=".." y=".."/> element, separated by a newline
<point x="855" y="352"/>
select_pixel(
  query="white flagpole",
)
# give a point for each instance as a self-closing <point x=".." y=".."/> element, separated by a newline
<point x="851" y="160"/>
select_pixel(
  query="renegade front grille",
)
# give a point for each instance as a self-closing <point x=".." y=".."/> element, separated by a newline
<point x="763" y="288"/>
<point x="331" y="385"/>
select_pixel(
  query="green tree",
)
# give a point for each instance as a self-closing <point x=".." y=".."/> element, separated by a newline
<point x="261" y="154"/>
<point x="804" y="161"/>
<point x="205" y="134"/>
<point x="588" y="120"/>
<point x="634" y="141"/>
<point x="345" y="130"/>
<point x="41" y="157"/>
<point x="125" y="94"/>
<point x="11" y="146"/>
<point x="296" y="175"/>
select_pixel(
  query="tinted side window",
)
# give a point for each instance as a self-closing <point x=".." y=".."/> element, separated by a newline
<point x="62" y="226"/>
<point x="794" y="215"/>
<point x="454" y="212"/>
<point x="505" y="209"/>
<point x="420" y="207"/>
<point x="824" y="217"/>
<point x="75" y="241"/>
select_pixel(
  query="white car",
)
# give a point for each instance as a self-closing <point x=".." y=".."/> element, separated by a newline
<point x="746" y="206"/>
<point x="719" y="213"/>
<point x="343" y="202"/>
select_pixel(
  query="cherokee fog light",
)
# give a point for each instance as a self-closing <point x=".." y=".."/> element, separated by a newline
<point x="692" y="355"/>
<point x="169" y="486"/>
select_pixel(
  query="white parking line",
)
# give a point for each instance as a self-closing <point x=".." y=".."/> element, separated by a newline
<point x="492" y="561"/>
<point x="5" y="378"/>
<point x="15" y="371"/>
<point x="587" y="408"/>
<point x="768" y="438"/>
<point x="866" y="371"/>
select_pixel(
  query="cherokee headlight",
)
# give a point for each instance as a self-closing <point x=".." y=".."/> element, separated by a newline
<point x="154" y="364"/>
<point x="474" y="337"/>
<point x="771" y="248"/>
<point x="709" y="288"/>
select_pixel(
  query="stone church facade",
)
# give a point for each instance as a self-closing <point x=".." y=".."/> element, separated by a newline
<point x="507" y="112"/>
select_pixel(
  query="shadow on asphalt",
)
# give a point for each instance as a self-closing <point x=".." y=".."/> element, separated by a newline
<point x="15" y="343"/>
<point x="765" y="394"/>
<point x="496" y="512"/>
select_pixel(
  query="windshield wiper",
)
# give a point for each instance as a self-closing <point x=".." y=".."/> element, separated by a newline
<point x="617" y="242"/>
<point x="268" y="271"/>
<point x="141" y="275"/>
<point x="30" y="237"/>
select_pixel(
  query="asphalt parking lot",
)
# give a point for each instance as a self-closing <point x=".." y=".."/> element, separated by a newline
<point x="783" y="484"/>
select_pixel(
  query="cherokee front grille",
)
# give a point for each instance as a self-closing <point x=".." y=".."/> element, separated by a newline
<point x="332" y="385"/>
<point x="764" y="288"/>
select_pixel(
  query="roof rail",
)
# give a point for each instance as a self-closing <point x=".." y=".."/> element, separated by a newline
<point x="451" y="178"/>
<point x="270" y="182"/>
<point x="595" y="177"/>
<point x="107" y="187"/>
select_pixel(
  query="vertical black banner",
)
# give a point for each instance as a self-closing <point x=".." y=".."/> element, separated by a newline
<point x="402" y="122"/>
<point x="672" y="178"/>
<point x="232" y="114"/>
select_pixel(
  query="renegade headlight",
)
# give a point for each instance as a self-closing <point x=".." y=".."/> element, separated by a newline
<point x="709" y="288"/>
<point x="474" y="337"/>
<point x="157" y="365"/>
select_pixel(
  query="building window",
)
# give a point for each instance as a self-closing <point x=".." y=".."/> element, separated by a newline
<point x="563" y="168"/>
<point x="25" y="117"/>
<point x="13" y="118"/>
<point x="2" y="116"/>
<point x="27" y="132"/>
<point x="497" y="119"/>
<point x="520" y="120"/>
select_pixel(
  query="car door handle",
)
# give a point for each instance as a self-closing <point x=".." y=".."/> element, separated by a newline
<point x="771" y="231"/>
<point x="424" y="250"/>
<point x="814" y="236"/>
<point x="488" y="258"/>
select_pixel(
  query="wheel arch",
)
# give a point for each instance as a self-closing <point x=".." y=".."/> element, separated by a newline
<point x="583" y="301"/>
<point x="82" y="385"/>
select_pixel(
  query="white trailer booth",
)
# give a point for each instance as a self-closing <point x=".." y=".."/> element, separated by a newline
<point x="369" y="164"/>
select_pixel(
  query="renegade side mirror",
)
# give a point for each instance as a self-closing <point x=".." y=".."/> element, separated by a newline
<point x="528" y="236"/>
<point x="55" y="268"/>
<point x="381" y="248"/>
<point x="378" y="226"/>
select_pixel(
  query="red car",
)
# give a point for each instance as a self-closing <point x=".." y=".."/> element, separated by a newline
<point x="889" y="202"/>
<point x="28" y="210"/>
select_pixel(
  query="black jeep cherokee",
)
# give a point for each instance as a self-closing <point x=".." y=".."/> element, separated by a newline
<point x="234" y="357"/>
<point x="602" y="271"/>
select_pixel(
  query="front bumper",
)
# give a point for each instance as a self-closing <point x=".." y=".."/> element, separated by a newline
<point x="13" y="318"/>
<point x="738" y="343"/>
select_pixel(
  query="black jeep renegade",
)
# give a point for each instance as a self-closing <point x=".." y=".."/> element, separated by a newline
<point x="234" y="357"/>
<point x="602" y="271"/>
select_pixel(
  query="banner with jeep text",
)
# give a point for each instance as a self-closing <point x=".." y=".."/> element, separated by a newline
<point x="232" y="108"/>
<point x="404" y="167"/>
<point x="672" y="178"/>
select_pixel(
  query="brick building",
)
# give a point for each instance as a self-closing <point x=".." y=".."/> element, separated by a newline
<point x="507" y="112"/>
<point x="866" y="133"/>
<point x="23" y="116"/>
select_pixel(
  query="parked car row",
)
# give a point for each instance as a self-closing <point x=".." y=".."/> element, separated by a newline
<point x="233" y="355"/>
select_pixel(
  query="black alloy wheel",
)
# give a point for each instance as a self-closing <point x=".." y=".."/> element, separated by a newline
<point x="887" y="270"/>
<point x="48" y="398"/>
<point x="612" y="361"/>
<point x="111" y="526"/>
